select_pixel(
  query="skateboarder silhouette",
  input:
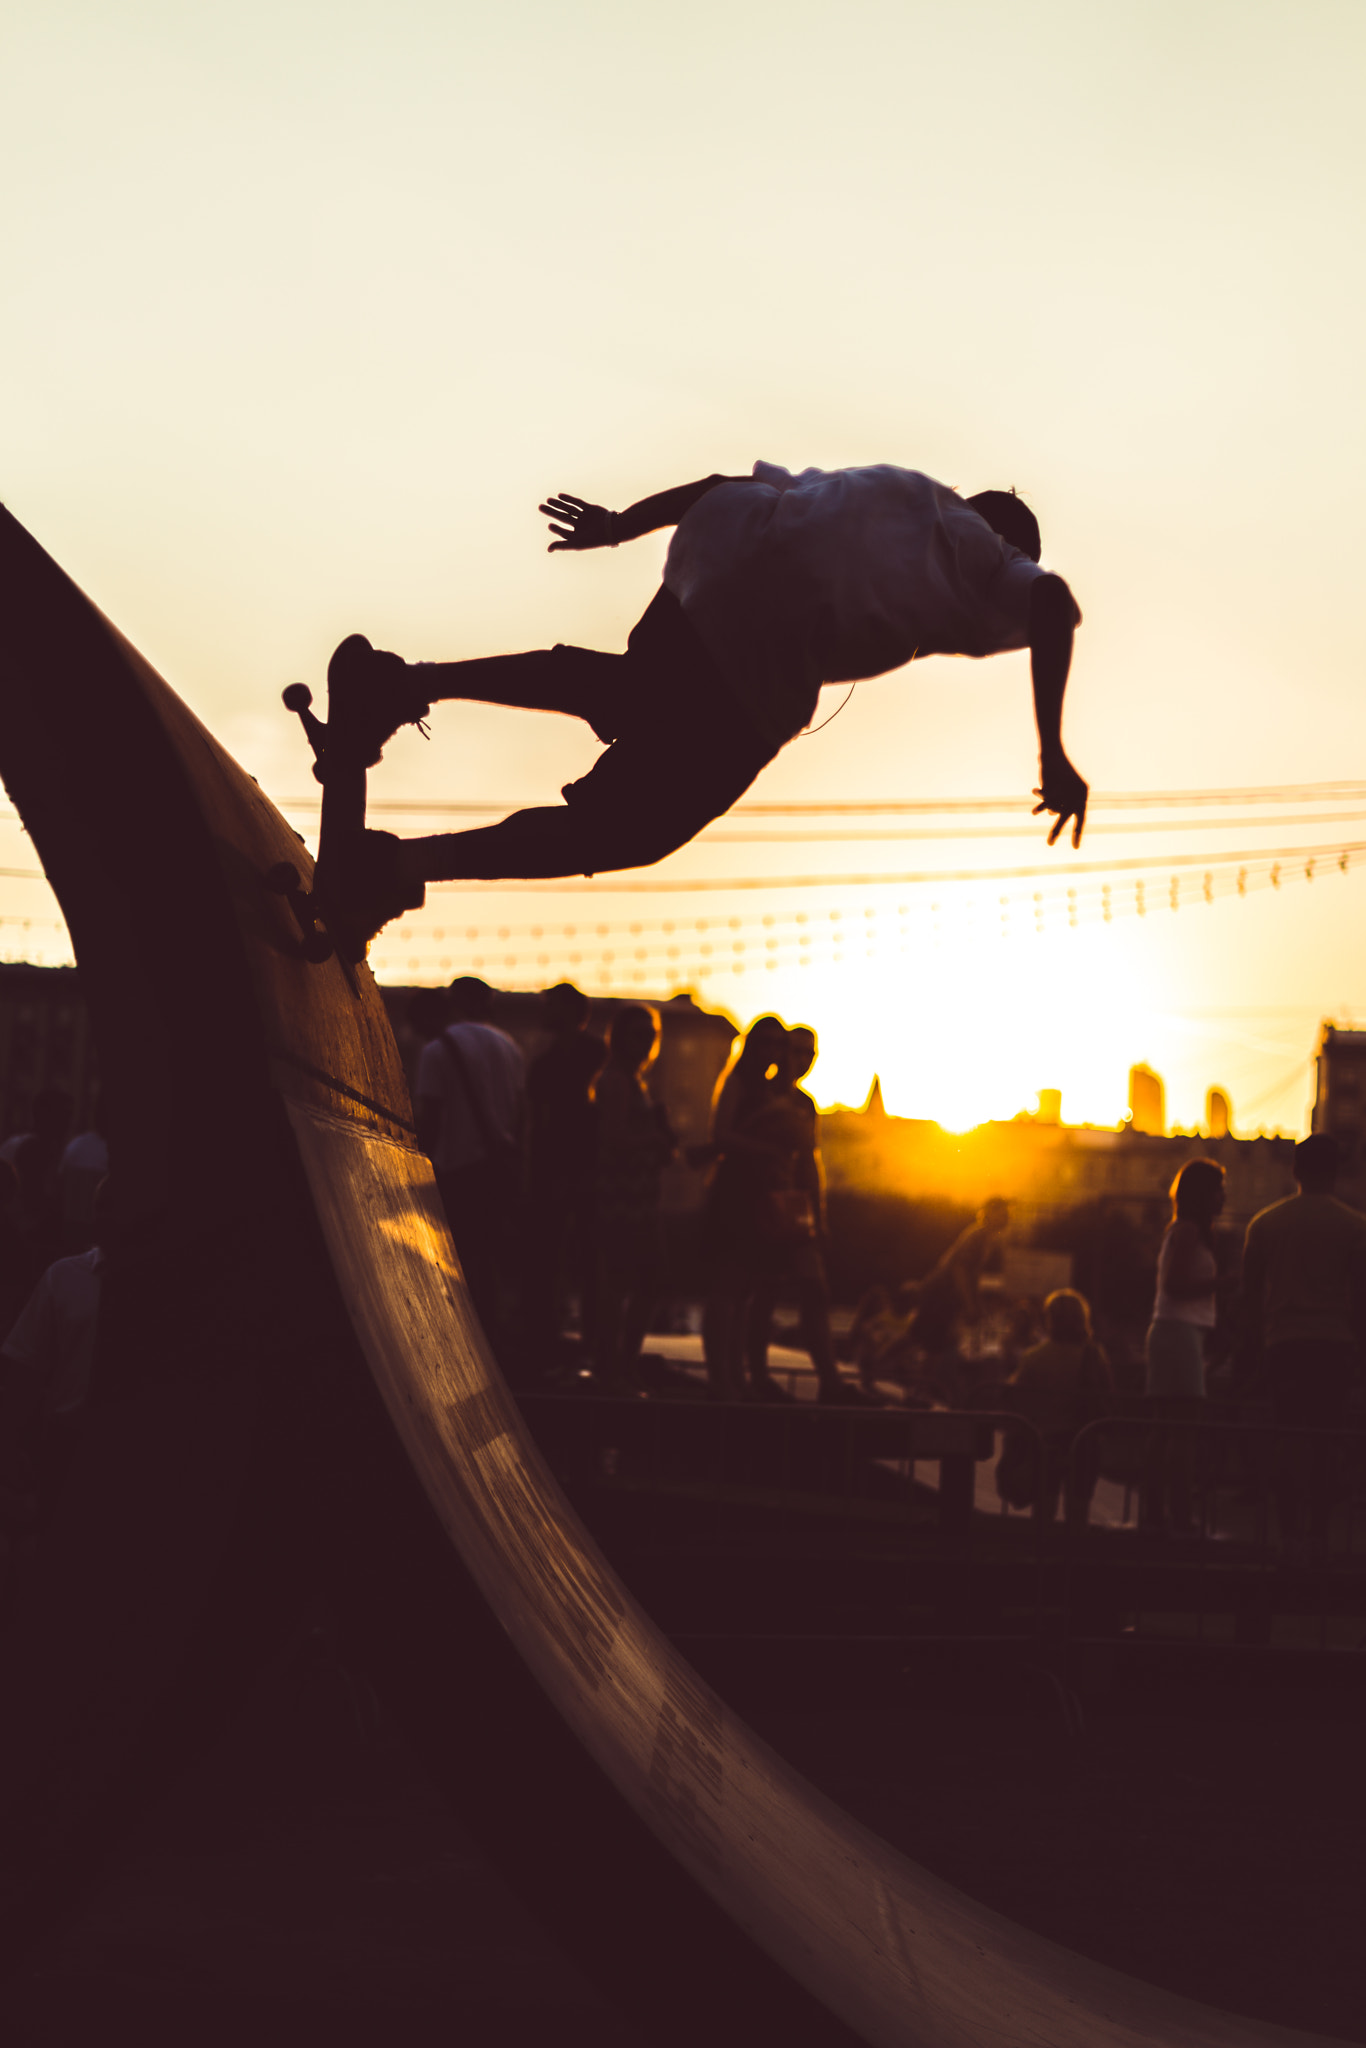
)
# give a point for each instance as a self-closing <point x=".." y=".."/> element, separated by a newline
<point x="774" y="584"/>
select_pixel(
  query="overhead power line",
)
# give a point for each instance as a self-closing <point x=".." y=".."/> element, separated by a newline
<point x="683" y="950"/>
<point x="1031" y="826"/>
<point x="900" y="807"/>
<point x="1058" y="870"/>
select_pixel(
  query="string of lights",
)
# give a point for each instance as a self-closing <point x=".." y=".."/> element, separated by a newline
<point x="695" y="950"/>
<point x="696" y="947"/>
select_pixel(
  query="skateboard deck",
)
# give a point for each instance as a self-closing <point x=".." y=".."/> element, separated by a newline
<point x="342" y="824"/>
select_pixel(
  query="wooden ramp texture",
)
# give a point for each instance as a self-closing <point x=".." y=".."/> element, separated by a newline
<point x="296" y="1414"/>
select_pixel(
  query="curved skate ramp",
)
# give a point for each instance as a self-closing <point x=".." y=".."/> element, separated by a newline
<point x="283" y="1257"/>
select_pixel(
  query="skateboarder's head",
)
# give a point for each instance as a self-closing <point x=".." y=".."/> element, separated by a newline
<point x="994" y="1213"/>
<point x="1011" y="518"/>
<point x="470" y="999"/>
<point x="1317" y="1163"/>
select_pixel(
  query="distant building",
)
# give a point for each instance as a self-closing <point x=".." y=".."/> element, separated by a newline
<point x="1218" y="1113"/>
<point x="1050" y="1106"/>
<point x="1147" y="1102"/>
<point x="1340" y="1092"/>
<point x="1044" y="1168"/>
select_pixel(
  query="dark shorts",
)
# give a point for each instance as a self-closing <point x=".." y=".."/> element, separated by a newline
<point x="682" y="747"/>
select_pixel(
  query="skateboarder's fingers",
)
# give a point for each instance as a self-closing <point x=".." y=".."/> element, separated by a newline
<point x="554" y="510"/>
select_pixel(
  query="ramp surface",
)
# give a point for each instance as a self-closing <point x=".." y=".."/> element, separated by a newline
<point x="283" y="1260"/>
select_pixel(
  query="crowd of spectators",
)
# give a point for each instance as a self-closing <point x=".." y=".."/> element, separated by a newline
<point x="551" y="1176"/>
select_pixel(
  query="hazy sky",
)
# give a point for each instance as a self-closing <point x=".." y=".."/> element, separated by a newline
<point x="305" y="308"/>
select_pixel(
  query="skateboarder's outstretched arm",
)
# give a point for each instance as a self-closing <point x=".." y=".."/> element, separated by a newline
<point x="1053" y="618"/>
<point x="592" y="526"/>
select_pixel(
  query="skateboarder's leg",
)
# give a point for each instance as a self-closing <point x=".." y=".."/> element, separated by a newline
<point x="542" y="844"/>
<point x="664" y="660"/>
<point x="371" y="693"/>
<point x="577" y="681"/>
<point x="649" y="794"/>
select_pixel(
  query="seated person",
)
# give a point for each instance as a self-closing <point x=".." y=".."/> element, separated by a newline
<point x="1067" y="1382"/>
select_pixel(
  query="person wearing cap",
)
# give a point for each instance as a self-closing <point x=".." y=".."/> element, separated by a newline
<point x="1304" y="1291"/>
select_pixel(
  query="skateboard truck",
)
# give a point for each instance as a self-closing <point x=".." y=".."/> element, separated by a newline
<point x="315" y="943"/>
<point x="284" y="878"/>
<point x="297" y="698"/>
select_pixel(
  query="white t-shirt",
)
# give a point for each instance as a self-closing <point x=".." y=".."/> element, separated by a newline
<point x="495" y="1066"/>
<point x="833" y="575"/>
<point x="1200" y="1309"/>
<point x="56" y="1330"/>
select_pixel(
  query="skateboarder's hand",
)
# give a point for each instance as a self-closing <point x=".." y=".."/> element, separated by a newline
<point x="1063" y="792"/>
<point x="584" y="525"/>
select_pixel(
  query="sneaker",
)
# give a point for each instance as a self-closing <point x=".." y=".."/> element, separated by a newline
<point x="369" y="696"/>
<point x="359" y="894"/>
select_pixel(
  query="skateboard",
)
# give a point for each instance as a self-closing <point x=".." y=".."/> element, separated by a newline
<point x="343" y="822"/>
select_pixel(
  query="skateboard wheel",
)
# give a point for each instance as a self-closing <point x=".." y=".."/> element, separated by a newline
<point x="296" y="697"/>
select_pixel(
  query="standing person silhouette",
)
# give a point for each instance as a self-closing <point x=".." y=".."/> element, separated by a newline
<point x="773" y="585"/>
<point x="470" y="1110"/>
<point x="1186" y="1305"/>
<point x="1304" y="1292"/>
<point x="801" y="1265"/>
<point x="560" y="1099"/>
<point x="634" y="1145"/>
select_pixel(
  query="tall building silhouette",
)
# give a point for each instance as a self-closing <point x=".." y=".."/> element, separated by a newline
<point x="1340" y="1089"/>
<point x="1147" y="1102"/>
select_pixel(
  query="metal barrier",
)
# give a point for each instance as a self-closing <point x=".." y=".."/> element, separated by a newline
<point x="801" y="1523"/>
<point x="793" y="1461"/>
<point x="1240" y="1534"/>
<point x="1141" y="1528"/>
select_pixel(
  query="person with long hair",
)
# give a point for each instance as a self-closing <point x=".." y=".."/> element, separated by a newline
<point x="1187" y="1281"/>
